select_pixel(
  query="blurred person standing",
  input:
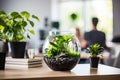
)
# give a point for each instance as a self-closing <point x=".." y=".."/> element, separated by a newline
<point x="95" y="36"/>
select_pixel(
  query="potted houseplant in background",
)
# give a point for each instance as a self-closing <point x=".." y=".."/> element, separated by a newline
<point x="16" y="28"/>
<point x="61" y="51"/>
<point x="94" y="50"/>
<point x="74" y="17"/>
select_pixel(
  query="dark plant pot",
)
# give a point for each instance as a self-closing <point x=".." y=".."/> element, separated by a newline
<point x="94" y="61"/>
<point x="61" y="63"/>
<point x="3" y="52"/>
<point x="17" y="49"/>
<point x="2" y="60"/>
<point x="5" y="47"/>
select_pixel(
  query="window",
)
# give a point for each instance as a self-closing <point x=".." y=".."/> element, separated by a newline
<point x="85" y="10"/>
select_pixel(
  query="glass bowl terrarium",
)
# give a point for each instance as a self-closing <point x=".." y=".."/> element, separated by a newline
<point x="61" y="51"/>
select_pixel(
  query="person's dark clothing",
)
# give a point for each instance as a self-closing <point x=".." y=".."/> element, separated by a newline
<point x="95" y="36"/>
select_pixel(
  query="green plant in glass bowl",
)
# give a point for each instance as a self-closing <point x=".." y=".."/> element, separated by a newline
<point x="61" y="51"/>
<point x="94" y="51"/>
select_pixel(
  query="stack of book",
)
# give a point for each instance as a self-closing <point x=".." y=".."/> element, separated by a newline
<point x="23" y="63"/>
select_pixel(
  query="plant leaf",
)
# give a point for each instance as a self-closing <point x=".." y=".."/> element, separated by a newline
<point x="2" y="12"/>
<point x="24" y="23"/>
<point x="32" y="32"/>
<point x="31" y="23"/>
<point x="53" y="44"/>
<point x="9" y="22"/>
<point x="35" y="17"/>
<point x="20" y="37"/>
<point x="28" y="36"/>
<point x="1" y="28"/>
<point x="3" y="15"/>
<point x="25" y="14"/>
<point x="18" y="18"/>
<point x="15" y="14"/>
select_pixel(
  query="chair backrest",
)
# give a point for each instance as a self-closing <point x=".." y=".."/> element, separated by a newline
<point x="116" y="39"/>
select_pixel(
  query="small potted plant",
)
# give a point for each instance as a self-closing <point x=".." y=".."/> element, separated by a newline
<point x="16" y="28"/>
<point x="94" y="50"/>
<point x="61" y="51"/>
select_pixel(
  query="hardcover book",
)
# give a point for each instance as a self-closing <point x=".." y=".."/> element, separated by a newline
<point x="19" y="63"/>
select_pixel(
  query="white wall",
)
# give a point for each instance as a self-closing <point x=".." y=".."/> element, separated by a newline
<point x="55" y="10"/>
<point x="41" y="8"/>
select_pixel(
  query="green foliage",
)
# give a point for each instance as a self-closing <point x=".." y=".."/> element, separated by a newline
<point x="59" y="46"/>
<point x="95" y="50"/>
<point x="73" y="16"/>
<point x="14" y="26"/>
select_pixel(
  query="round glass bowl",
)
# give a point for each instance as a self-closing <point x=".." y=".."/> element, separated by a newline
<point x="61" y="51"/>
